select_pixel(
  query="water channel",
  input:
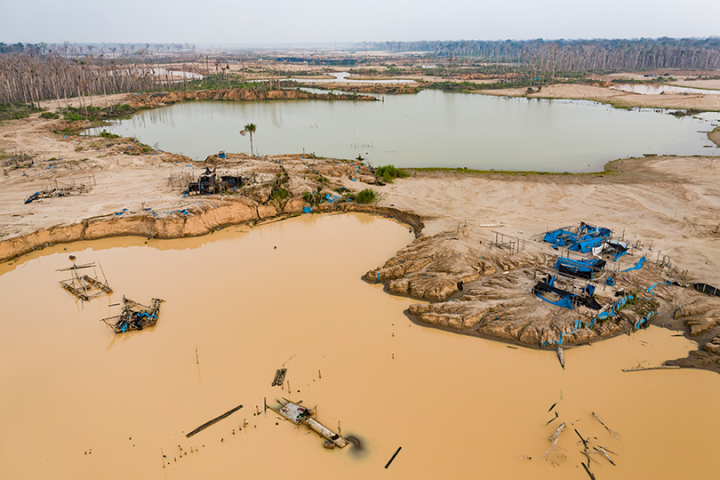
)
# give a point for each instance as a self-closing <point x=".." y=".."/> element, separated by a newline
<point x="430" y="129"/>
<point x="79" y="402"/>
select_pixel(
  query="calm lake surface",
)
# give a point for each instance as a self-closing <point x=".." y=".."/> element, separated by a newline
<point x="430" y="129"/>
<point x="79" y="402"/>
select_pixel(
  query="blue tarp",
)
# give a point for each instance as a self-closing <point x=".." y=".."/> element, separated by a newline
<point x="564" y="302"/>
<point x="637" y="266"/>
<point x="584" y="240"/>
<point x="307" y="210"/>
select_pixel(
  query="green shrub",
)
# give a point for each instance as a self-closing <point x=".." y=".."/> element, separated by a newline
<point x="16" y="111"/>
<point x="73" y="117"/>
<point x="281" y="194"/>
<point x="366" y="196"/>
<point x="106" y="134"/>
<point x="388" y="172"/>
<point x="50" y="115"/>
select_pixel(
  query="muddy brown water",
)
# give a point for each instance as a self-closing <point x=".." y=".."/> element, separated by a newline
<point x="78" y="402"/>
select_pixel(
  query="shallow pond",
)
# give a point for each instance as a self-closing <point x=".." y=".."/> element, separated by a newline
<point x="430" y="129"/>
<point x="347" y="77"/>
<point x="78" y="402"/>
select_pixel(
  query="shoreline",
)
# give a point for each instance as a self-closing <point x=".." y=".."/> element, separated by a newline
<point x="449" y="195"/>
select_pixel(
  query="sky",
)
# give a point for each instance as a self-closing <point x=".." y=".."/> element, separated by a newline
<point x="257" y="23"/>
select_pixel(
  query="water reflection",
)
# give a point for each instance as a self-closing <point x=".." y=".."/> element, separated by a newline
<point x="431" y="128"/>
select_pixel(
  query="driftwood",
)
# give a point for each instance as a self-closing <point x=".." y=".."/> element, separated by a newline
<point x="553" y="447"/>
<point x="588" y="471"/>
<point x="642" y="369"/>
<point x="561" y="357"/>
<point x="586" y="451"/>
<point x="213" y="421"/>
<point x="279" y="377"/>
<point x="604" y="452"/>
<point x="552" y="419"/>
<point x="612" y="432"/>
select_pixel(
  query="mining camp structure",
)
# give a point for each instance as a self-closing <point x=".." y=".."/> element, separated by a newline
<point x="84" y="287"/>
<point x="134" y="316"/>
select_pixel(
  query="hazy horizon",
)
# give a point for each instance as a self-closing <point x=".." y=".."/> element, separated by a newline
<point x="224" y="23"/>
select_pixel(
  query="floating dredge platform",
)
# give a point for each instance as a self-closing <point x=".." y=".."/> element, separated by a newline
<point x="298" y="414"/>
<point x="134" y="316"/>
<point x="84" y="287"/>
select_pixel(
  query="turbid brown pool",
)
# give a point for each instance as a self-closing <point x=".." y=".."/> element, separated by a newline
<point x="77" y="401"/>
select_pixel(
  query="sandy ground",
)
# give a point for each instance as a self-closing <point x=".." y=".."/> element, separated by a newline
<point x="708" y="84"/>
<point x="671" y="202"/>
<point x="615" y="97"/>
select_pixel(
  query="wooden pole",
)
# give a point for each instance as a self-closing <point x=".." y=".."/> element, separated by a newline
<point x="393" y="457"/>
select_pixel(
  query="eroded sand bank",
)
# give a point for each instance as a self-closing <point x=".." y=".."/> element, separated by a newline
<point x="460" y="407"/>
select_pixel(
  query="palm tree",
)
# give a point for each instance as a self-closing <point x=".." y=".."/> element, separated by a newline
<point x="249" y="128"/>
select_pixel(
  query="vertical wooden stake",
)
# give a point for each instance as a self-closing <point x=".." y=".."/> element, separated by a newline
<point x="319" y="374"/>
<point x="289" y="391"/>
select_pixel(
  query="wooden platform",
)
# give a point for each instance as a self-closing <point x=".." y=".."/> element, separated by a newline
<point x="298" y="414"/>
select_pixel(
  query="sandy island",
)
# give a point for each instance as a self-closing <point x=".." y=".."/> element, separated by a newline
<point x="667" y="207"/>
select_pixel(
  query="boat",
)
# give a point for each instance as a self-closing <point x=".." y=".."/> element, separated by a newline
<point x="298" y="414"/>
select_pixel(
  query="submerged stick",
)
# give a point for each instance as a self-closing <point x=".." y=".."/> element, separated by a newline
<point x="213" y="421"/>
<point x="553" y="406"/>
<point x="602" y="450"/>
<point x="588" y="471"/>
<point x="612" y="432"/>
<point x="393" y="457"/>
<point x="561" y="357"/>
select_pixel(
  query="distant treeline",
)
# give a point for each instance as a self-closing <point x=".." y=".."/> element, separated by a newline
<point x="577" y="55"/>
<point x="31" y="73"/>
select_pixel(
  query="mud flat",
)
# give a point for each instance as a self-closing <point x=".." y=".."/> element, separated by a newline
<point x="81" y="402"/>
<point x="616" y="98"/>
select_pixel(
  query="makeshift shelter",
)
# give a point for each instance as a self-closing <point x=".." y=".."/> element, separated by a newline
<point x="583" y="238"/>
<point x="579" y="268"/>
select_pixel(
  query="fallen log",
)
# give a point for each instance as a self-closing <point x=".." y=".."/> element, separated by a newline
<point x="213" y="421"/>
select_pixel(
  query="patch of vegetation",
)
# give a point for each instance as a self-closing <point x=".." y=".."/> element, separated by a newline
<point x="16" y="111"/>
<point x="106" y="134"/>
<point x="686" y="113"/>
<point x="389" y="172"/>
<point x="219" y="81"/>
<point x="50" y="115"/>
<point x="280" y="194"/>
<point x="73" y="117"/>
<point x="366" y="196"/>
